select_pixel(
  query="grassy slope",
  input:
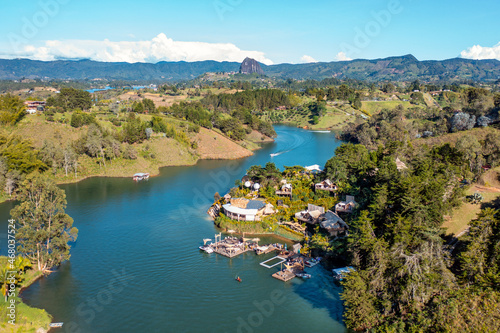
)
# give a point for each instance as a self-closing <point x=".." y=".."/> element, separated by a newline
<point x="479" y="133"/>
<point x="28" y="319"/>
<point x="212" y="145"/>
<point x="166" y="151"/>
<point x="375" y="107"/>
<point x="335" y="118"/>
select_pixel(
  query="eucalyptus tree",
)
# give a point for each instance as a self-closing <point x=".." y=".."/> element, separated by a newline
<point x="44" y="229"/>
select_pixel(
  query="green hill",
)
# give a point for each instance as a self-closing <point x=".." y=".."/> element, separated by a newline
<point x="404" y="68"/>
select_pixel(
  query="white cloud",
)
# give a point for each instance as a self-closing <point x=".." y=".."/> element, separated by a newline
<point x="307" y="59"/>
<point x="160" y="48"/>
<point x="479" y="52"/>
<point x="341" y="56"/>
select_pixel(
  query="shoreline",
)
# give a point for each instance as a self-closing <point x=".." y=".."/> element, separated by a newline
<point x="30" y="318"/>
<point x="126" y="174"/>
<point x="156" y="173"/>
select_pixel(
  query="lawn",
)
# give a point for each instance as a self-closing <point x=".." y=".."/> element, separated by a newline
<point x="332" y="119"/>
<point x="460" y="218"/>
<point x="375" y="107"/>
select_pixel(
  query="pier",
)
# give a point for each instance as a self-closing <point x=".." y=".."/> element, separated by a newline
<point x="231" y="246"/>
<point x="291" y="263"/>
<point x="268" y="249"/>
<point x="284" y="275"/>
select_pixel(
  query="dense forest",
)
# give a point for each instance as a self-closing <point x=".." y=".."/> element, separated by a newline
<point x="408" y="276"/>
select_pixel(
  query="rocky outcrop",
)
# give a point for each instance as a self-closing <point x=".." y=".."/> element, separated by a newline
<point x="250" y="66"/>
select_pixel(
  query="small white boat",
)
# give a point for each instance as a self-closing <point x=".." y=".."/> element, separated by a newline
<point x="140" y="176"/>
<point x="56" y="324"/>
<point x="304" y="275"/>
<point x="207" y="249"/>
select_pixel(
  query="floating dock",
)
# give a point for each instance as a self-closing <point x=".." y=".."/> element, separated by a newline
<point x="231" y="247"/>
<point x="230" y="252"/>
<point x="265" y="249"/>
<point x="284" y="275"/>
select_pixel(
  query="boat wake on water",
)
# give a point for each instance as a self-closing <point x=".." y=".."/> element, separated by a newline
<point x="292" y="142"/>
<point x="279" y="153"/>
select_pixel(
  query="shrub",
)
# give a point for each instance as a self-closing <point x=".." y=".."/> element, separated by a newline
<point x="130" y="153"/>
<point x="79" y="119"/>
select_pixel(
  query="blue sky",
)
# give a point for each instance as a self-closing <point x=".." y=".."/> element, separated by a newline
<point x="270" y="31"/>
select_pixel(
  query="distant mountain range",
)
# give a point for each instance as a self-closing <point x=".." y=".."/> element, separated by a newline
<point x="404" y="68"/>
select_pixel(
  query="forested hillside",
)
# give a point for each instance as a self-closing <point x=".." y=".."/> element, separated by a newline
<point x="403" y="68"/>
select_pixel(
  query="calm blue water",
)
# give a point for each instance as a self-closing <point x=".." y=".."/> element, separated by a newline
<point x="99" y="89"/>
<point x="136" y="266"/>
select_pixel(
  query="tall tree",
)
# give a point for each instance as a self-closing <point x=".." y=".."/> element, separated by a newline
<point x="12" y="109"/>
<point x="44" y="229"/>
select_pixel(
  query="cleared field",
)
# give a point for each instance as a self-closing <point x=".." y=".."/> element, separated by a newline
<point x="376" y="107"/>
<point x="36" y="129"/>
<point x="212" y="145"/>
<point x="461" y="217"/>
<point x="451" y="138"/>
<point x="430" y="101"/>
<point x="333" y="119"/>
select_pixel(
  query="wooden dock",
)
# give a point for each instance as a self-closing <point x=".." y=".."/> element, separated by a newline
<point x="230" y="253"/>
<point x="284" y="275"/>
<point x="269" y="248"/>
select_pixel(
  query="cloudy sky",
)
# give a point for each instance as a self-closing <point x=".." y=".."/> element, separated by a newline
<point x="276" y="31"/>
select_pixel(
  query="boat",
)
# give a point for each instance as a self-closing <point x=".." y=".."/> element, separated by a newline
<point x="238" y="279"/>
<point x="311" y="262"/>
<point x="304" y="275"/>
<point x="56" y="324"/>
<point x="207" y="249"/>
<point x="140" y="176"/>
<point x="340" y="273"/>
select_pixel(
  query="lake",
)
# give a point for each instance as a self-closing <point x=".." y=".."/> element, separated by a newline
<point x="136" y="266"/>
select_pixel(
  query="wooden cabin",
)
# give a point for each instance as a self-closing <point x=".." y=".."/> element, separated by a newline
<point x="286" y="190"/>
<point x="333" y="224"/>
<point x="311" y="215"/>
<point x="325" y="185"/>
<point x="346" y="206"/>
